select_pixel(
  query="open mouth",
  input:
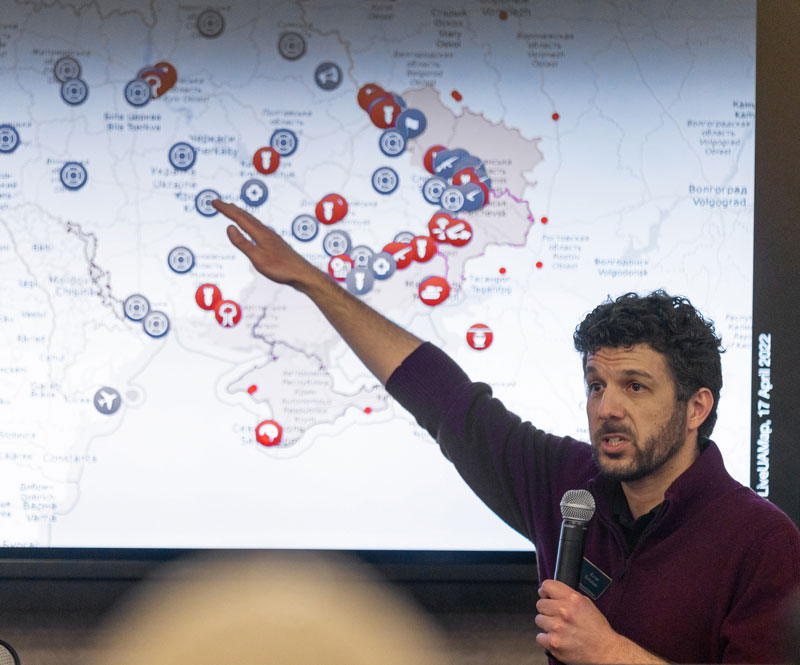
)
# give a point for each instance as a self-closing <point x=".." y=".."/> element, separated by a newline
<point x="614" y="443"/>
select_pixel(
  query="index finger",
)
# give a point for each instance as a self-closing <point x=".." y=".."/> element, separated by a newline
<point x="243" y="219"/>
<point x="555" y="590"/>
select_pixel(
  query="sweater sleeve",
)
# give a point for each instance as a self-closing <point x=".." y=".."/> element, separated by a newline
<point x="519" y="471"/>
<point x="754" y="629"/>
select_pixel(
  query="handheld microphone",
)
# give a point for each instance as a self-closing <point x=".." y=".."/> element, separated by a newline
<point x="577" y="508"/>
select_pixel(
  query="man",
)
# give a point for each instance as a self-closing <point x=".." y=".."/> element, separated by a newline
<point x="682" y="562"/>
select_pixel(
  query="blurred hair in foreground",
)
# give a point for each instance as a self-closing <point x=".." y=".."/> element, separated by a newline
<point x="264" y="609"/>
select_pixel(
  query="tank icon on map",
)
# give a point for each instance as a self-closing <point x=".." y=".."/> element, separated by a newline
<point x="434" y="291"/>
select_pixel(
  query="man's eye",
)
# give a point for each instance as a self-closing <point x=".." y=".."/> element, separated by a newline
<point x="637" y="387"/>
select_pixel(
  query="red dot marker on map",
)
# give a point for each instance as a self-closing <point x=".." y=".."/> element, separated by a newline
<point x="430" y="154"/>
<point x="252" y="389"/>
<point x="269" y="433"/>
<point x="368" y="410"/>
<point x="402" y="253"/>
<point x="539" y="264"/>
<point x="340" y="266"/>
<point x="266" y="160"/>
<point x="556" y="116"/>
<point x="455" y="94"/>
<point x="502" y="271"/>
<point x="228" y="313"/>
<point x="434" y="291"/>
<point x="544" y="220"/>
<point x="331" y="209"/>
<point x="480" y="337"/>
<point x="208" y="296"/>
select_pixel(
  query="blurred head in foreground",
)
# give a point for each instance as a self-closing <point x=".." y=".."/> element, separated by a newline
<point x="265" y="609"/>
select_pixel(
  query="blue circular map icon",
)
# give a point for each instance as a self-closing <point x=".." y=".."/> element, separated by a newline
<point x="336" y="242"/>
<point x="284" y="142"/>
<point x="328" y="75"/>
<point x="452" y="199"/>
<point x="433" y="189"/>
<point x="9" y="139"/>
<point x="180" y="260"/>
<point x="136" y="307"/>
<point x="305" y="228"/>
<point x="137" y="92"/>
<point x="67" y="68"/>
<point x="392" y="143"/>
<point x="254" y="192"/>
<point x="73" y="175"/>
<point x="411" y="122"/>
<point x="203" y="202"/>
<point x="182" y="156"/>
<point x="385" y="180"/>
<point x="156" y="324"/>
<point x="74" y="91"/>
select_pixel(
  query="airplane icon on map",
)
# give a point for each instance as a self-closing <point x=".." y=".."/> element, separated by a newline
<point x="107" y="400"/>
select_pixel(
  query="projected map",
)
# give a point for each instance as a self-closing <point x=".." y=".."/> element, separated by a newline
<point x="483" y="173"/>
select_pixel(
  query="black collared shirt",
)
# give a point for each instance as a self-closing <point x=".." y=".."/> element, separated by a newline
<point x="631" y="528"/>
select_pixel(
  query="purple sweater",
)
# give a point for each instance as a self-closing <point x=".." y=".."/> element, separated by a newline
<point x="707" y="581"/>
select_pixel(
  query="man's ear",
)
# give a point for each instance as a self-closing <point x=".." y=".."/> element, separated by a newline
<point x="698" y="407"/>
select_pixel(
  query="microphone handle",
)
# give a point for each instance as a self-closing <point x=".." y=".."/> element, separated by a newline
<point x="569" y="560"/>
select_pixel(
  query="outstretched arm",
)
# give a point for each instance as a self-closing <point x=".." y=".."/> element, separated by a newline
<point x="380" y="344"/>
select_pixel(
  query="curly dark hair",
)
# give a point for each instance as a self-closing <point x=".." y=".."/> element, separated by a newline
<point x="668" y="324"/>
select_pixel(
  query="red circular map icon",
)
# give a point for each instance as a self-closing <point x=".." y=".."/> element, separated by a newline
<point x="434" y="291"/>
<point x="480" y="337"/>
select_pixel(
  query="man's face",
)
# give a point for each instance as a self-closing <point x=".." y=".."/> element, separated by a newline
<point x="635" y="423"/>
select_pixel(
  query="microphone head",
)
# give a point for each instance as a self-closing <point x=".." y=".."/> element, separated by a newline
<point x="577" y="505"/>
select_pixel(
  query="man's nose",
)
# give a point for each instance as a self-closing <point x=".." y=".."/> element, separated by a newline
<point x="610" y="406"/>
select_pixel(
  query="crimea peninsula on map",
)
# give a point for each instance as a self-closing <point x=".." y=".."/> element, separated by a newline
<point x="483" y="173"/>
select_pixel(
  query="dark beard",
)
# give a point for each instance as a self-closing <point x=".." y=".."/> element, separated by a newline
<point x="658" y="449"/>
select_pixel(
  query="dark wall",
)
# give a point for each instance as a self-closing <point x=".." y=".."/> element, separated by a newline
<point x="776" y="306"/>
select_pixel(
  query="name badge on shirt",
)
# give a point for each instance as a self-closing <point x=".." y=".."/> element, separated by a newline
<point x="593" y="580"/>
